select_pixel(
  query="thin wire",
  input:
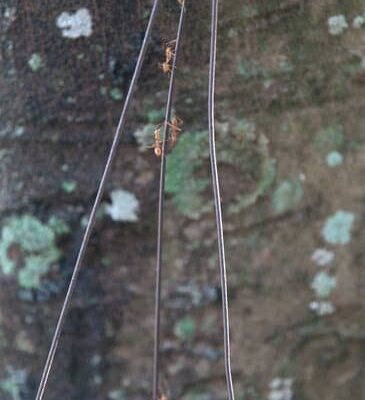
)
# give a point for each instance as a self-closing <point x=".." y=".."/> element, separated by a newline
<point x="217" y="197"/>
<point x="156" y="350"/>
<point x="91" y="221"/>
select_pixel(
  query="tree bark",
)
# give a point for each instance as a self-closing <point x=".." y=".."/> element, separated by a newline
<point x="290" y="101"/>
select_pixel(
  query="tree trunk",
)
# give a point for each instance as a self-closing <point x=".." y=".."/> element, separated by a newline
<point x="289" y="109"/>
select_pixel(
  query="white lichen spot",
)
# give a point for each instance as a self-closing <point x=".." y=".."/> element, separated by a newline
<point x="19" y="131"/>
<point x="337" y="228"/>
<point x="322" y="308"/>
<point x="334" y="159"/>
<point x="358" y="22"/>
<point x="75" y="25"/>
<point x="7" y="17"/>
<point x="323" y="284"/>
<point x="337" y="24"/>
<point x="144" y="136"/>
<point x="281" y="389"/>
<point x="302" y="177"/>
<point x="35" y="62"/>
<point x="124" y="206"/>
<point x="323" y="257"/>
<point x="10" y="13"/>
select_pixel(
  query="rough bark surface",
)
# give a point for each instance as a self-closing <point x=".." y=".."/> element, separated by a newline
<point x="290" y="101"/>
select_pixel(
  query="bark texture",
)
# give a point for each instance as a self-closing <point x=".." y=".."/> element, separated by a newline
<point x="290" y="101"/>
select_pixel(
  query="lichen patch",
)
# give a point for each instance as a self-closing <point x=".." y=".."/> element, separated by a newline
<point x="75" y="25"/>
<point x="124" y="206"/>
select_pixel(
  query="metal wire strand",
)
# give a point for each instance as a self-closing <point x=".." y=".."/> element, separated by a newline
<point x="156" y="350"/>
<point x="91" y="221"/>
<point x="217" y="197"/>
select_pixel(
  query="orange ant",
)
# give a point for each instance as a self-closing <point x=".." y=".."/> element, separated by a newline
<point x="157" y="142"/>
<point x="169" y="56"/>
<point x="175" y="129"/>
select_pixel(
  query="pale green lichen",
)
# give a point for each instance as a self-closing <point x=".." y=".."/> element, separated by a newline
<point x="268" y="174"/>
<point x="58" y="226"/>
<point x="24" y="343"/>
<point x="323" y="284"/>
<point x="106" y="262"/>
<point x="35" y="62"/>
<point x="248" y="152"/>
<point x="116" y="94"/>
<point x="14" y="383"/>
<point x="337" y="228"/>
<point x="69" y="186"/>
<point x="286" y="67"/>
<point x="330" y="139"/>
<point x="182" y="164"/>
<point x="27" y="249"/>
<point x="249" y="11"/>
<point x="196" y="394"/>
<point x="334" y="159"/>
<point x="287" y="196"/>
<point x="155" y="116"/>
<point x="241" y="147"/>
<point x="117" y="394"/>
<point x="252" y="70"/>
<point x="185" y="328"/>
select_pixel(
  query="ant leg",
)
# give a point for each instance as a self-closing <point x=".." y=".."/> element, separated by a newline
<point x="171" y="42"/>
<point x="173" y="126"/>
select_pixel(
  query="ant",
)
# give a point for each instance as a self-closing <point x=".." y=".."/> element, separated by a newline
<point x="175" y="129"/>
<point x="157" y="142"/>
<point x="169" y="56"/>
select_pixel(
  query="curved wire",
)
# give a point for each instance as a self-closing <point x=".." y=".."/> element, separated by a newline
<point x="217" y="197"/>
<point x="156" y="350"/>
<point x="91" y="221"/>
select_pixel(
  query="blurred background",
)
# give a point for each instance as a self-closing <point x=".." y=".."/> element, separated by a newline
<point x="290" y="131"/>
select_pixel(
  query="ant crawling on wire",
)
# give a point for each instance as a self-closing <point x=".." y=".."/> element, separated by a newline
<point x="174" y="132"/>
<point x="157" y="145"/>
<point x="166" y="66"/>
<point x="175" y="129"/>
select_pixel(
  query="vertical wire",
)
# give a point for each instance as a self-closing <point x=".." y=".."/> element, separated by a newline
<point x="217" y="197"/>
<point x="156" y="350"/>
<point x="91" y="221"/>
